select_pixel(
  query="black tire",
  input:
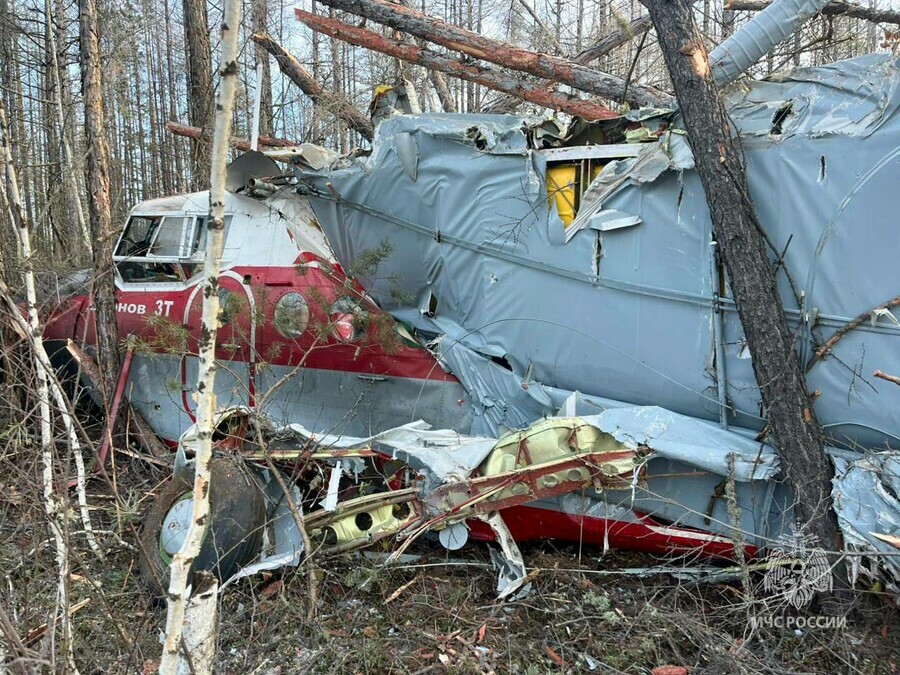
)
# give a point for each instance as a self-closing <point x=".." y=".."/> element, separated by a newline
<point x="233" y="537"/>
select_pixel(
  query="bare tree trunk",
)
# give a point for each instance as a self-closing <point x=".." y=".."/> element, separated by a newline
<point x="550" y="35"/>
<point x="259" y="17"/>
<point x="54" y="509"/>
<point x="488" y="77"/>
<point x="333" y="101"/>
<point x="799" y="438"/>
<point x="443" y="91"/>
<point x="503" y="54"/>
<point x="102" y="232"/>
<point x="200" y="87"/>
<point x="68" y="171"/>
<point x="206" y="403"/>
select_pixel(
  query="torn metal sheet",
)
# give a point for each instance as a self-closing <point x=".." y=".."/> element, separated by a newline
<point x="866" y="496"/>
<point x="615" y="469"/>
<point x="481" y="259"/>
<point x="445" y="454"/>
<point x="511" y="574"/>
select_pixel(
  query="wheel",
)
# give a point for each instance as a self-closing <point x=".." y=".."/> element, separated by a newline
<point x="232" y="538"/>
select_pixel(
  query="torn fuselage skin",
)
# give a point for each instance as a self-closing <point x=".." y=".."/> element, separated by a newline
<point x="387" y="490"/>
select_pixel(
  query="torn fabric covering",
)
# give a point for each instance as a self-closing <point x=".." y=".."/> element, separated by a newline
<point x="630" y="314"/>
<point x="689" y="440"/>
<point x="852" y="98"/>
<point x="671" y="152"/>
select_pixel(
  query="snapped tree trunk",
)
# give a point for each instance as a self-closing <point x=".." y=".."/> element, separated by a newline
<point x="182" y="561"/>
<point x="259" y="17"/>
<point x="798" y="437"/>
<point x="636" y="27"/>
<point x="503" y="54"/>
<point x="102" y="233"/>
<point x="471" y="72"/>
<point x="332" y="101"/>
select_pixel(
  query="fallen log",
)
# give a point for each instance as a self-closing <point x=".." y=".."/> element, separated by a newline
<point x="297" y="74"/>
<point x="483" y="75"/>
<point x="605" y="45"/>
<point x="239" y="143"/>
<point x="636" y="27"/>
<point x="834" y="8"/>
<point x="503" y="54"/>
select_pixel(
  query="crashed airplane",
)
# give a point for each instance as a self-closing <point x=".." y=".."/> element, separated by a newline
<point x="504" y="328"/>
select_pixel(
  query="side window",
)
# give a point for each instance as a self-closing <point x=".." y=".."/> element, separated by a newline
<point x="169" y="241"/>
<point x="162" y="249"/>
<point x="138" y="236"/>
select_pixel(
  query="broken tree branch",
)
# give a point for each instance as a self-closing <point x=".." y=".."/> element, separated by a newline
<point x="503" y="54"/>
<point x="637" y="27"/>
<point x="834" y="8"/>
<point x="241" y="144"/>
<point x="297" y="74"/>
<point x="849" y="326"/>
<point x="487" y="77"/>
<point x="884" y="376"/>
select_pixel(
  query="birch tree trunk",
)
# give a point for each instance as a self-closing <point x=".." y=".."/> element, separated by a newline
<point x="53" y="508"/>
<point x="206" y="398"/>
<point x="102" y="232"/>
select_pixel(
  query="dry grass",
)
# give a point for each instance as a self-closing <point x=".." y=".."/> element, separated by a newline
<point x="444" y="619"/>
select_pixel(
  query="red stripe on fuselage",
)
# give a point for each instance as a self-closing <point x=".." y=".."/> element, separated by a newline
<point x="377" y="352"/>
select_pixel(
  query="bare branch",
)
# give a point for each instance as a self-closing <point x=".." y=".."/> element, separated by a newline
<point x="241" y="144"/>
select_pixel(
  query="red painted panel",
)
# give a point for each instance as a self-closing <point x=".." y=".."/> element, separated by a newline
<point x="527" y="523"/>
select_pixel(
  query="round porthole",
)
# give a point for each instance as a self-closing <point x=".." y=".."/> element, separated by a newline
<point x="291" y="315"/>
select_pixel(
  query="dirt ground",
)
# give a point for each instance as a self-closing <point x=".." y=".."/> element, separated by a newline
<point x="436" y="613"/>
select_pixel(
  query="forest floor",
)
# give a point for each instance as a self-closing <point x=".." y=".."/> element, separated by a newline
<point x="436" y="613"/>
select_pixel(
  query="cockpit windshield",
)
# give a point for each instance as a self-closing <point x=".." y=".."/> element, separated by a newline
<point x="162" y="248"/>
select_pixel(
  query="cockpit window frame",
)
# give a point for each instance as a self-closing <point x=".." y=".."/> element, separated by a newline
<point x="184" y="268"/>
